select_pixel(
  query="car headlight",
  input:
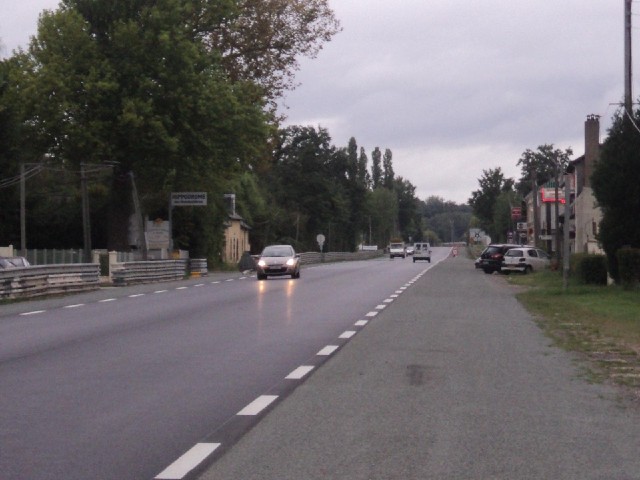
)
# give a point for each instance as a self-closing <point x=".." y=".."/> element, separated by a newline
<point x="291" y="262"/>
<point x="262" y="263"/>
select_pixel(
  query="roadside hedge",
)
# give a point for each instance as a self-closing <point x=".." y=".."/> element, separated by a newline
<point x="629" y="266"/>
<point x="589" y="268"/>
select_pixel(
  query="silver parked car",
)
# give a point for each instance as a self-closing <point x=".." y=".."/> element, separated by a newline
<point x="525" y="260"/>
<point x="13" y="262"/>
<point x="278" y="260"/>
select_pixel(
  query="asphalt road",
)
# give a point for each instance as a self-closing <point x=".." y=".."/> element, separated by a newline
<point x="452" y="381"/>
<point x="119" y="383"/>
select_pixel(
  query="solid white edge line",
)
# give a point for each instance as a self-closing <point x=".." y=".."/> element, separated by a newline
<point x="328" y="350"/>
<point x="299" y="372"/>
<point x="187" y="462"/>
<point x="259" y="404"/>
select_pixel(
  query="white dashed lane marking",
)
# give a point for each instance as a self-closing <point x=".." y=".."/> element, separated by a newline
<point x="187" y="462"/>
<point x="74" y="306"/>
<point x="35" y="312"/>
<point x="299" y="372"/>
<point x="372" y="314"/>
<point x="328" y="350"/>
<point x="107" y="300"/>
<point x="258" y="405"/>
<point x="361" y="323"/>
<point x="347" y="334"/>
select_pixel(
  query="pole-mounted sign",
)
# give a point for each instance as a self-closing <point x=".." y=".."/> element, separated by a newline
<point x="188" y="199"/>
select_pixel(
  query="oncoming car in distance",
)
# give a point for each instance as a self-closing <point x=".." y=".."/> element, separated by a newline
<point x="525" y="260"/>
<point x="278" y="260"/>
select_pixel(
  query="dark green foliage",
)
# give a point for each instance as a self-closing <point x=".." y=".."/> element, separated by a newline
<point x="589" y="268"/>
<point x="493" y="184"/>
<point x="445" y="220"/>
<point x="629" y="266"/>
<point x="616" y="185"/>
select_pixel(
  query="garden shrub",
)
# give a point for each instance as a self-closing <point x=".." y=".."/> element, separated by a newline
<point x="629" y="266"/>
<point x="589" y="268"/>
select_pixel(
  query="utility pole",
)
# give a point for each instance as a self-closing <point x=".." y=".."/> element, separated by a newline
<point x="536" y="213"/>
<point x="567" y="225"/>
<point x="628" y="95"/>
<point x="86" y="218"/>
<point x="23" y="214"/>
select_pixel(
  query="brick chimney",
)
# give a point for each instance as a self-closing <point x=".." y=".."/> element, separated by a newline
<point x="591" y="146"/>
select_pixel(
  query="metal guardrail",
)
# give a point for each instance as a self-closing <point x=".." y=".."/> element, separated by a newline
<point x="129" y="273"/>
<point x="48" y="280"/>
<point x="317" y="257"/>
<point x="64" y="278"/>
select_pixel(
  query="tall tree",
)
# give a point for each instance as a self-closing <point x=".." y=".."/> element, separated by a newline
<point x="364" y="178"/>
<point x="376" y="168"/>
<point x="541" y="166"/>
<point x="616" y="186"/>
<point x="383" y="213"/>
<point x="308" y="181"/>
<point x="262" y="40"/>
<point x="483" y="201"/>
<point x="388" y="175"/>
<point x="127" y="83"/>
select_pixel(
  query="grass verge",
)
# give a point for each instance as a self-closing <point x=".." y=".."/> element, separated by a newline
<point x="602" y="323"/>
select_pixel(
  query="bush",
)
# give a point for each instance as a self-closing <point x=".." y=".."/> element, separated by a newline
<point x="589" y="268"/>
<point x="629" y="266"/>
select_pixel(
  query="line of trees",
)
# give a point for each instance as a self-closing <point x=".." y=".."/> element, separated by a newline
<point x="314" y="187"/>
<point x="180" y="95"/>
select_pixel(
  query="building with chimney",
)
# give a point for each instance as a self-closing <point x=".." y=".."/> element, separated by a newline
<point x="585" y="213"/>
<point x="236" y="233"/>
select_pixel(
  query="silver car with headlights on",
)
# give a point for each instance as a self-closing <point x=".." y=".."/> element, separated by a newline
<point x="278" y="260"/>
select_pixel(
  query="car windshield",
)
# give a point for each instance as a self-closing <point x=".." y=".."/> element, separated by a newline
<point x="277" y="251"/>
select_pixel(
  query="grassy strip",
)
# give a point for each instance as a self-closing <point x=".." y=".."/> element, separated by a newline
<point x="603" y="323"/>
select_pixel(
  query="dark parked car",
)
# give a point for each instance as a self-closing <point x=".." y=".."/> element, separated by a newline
<point x="278" y="260"/>
<point x="491" y="258"/>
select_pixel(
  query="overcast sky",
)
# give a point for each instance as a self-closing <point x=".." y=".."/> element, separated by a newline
<point x="452" y="87"/>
